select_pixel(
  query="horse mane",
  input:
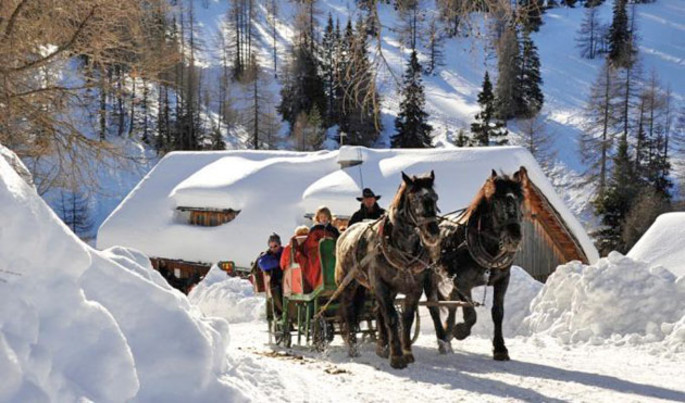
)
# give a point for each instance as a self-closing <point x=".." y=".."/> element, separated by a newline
<point x="476" y="202"/>
<point x="419" y="181"/>
<point x="396" y="202"/>
<point x="488" y="190"/>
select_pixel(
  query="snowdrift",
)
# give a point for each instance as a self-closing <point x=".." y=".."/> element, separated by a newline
<point x="230" y="298"/>
<point x="617" y="300"/>
<point x="521" y="291"/>
<point x="78" y="324"/>
<point x="663" y="243"/>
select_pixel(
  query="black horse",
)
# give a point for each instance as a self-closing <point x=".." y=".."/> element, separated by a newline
<point x="387" y="257"/>
<point x="478" y="250"/>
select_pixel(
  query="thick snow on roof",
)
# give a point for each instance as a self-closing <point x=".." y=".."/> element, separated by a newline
<point x="274" y="190"/>
<point x="78" y="324"/>
<point x="663" y="244"/>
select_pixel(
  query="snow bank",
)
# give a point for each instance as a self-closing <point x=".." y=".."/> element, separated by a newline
<point x="521" y="291"/>
<point x="616" y="300"/>
<point x="660" y="246"/>
<point x="227" y="297"/>
<point x="17" y="164"/>
<point x="77" y="324"/>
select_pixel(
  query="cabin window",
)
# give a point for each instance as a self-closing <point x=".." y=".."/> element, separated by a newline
<point x="204" y="217"/>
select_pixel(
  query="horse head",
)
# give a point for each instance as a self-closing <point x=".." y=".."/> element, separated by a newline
<point x="418" y="200"/>
<point x="502" y="199"/>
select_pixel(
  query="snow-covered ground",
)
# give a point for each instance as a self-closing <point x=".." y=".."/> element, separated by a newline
<point x="541" y="370"/>
<point x="78" y="324"/>
<point x="614" y="331"/>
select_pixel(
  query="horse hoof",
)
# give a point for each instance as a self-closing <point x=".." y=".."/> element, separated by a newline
<point x="352" y="352"/>
<point x="501" y="356"/>
<point x="398" y="362"/>
<point x="461" y="331"/>
<point x="444" y="347"/>
<point x="382" y="351"/>
<point x="408" y="358"/>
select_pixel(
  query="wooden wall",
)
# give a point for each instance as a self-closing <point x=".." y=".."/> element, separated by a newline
<point x="538" y="254"/>
<point x="547" y="242"/>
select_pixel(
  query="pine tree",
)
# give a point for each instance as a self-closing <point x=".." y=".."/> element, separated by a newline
<point x="451" y="13"/>
<point x="613" y="208"/>
<point x="536" y="139"/>
<point x="412" y="17"/>
<point x="651" y="150"/>
<point x="507" y="95"/>
<point x="593" y="3"/>
<point x="412" y="129"/>
<point x="530" y="13"/>
<point x="258" y="105"/>
<point x="462" y="139"/>
<point x="303" y="87"/>
<point x="529" y="80"/>
<point x="329" y="44"/>
<point x="597" y="139"/>
<point x="343" y="74"/>
<point x="308" y="133"/>
<point x="621" y="49"/>
<point x="74" y="209"/>
<point x="360" y="117"/>
<point x="434" y="44"/>
<point x="587" y="38"/>
<point x="627" y="82"/>
<point x="217" y="142"/>
<point x="486" y="130"/>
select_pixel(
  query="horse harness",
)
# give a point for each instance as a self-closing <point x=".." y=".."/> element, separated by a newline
<point x="399" y="259"/>
<point x="471" y="239"/>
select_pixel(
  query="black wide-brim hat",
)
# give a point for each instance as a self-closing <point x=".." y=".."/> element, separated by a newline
<point x="367" y="193"/>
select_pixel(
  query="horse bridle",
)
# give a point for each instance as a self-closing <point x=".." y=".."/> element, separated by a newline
<point x="474" y="245"/>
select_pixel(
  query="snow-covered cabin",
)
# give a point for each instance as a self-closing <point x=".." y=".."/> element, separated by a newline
<point x="243" y="196"/>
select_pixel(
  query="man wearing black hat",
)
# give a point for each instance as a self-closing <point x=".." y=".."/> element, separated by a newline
<point x="369" y="210"/>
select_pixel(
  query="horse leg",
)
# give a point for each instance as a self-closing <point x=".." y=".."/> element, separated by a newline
<point x="463" y="330"/>
<point x="382" y="340"/>
<point x="500" y="352"/>
<point x="433" y="295"/>
<point x="349" y="314"/>
<point x="411" y="303"/>
<point x="386" y="307"/>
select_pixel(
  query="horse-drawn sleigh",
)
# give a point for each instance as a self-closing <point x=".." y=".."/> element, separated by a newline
<point x="409" y="251"/>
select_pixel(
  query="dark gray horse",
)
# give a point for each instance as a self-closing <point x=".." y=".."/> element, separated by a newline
<point x="478" y="250"/>
<point x="387" y="257"/>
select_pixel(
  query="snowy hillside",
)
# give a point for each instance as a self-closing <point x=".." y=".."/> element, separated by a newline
<point x="452" y="91"/>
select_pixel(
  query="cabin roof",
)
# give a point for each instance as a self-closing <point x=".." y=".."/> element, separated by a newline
<point x="275" y="189"/>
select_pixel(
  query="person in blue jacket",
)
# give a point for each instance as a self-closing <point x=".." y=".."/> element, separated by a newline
<point x="270" y="262"/>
